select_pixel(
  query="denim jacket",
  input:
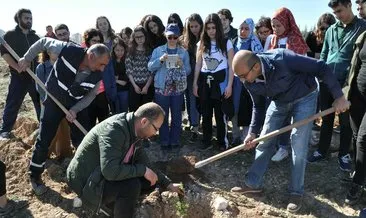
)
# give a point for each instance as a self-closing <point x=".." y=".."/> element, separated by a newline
<point x="160" y="69"/>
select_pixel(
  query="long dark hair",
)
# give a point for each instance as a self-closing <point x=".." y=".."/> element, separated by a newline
<point x="133" y="44"/>
<point x="118" y="41"/>
<point x="159" y="38"/>
<point x="110" y="30"/>
<point x="190" y="40"/>
<point x="327" y="18"/>
<point x="178" y="21"/>
<point x="205" y="45"/>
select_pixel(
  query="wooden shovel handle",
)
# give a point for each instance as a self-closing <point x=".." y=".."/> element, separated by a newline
<point x="264" y="137"/>
<point x="40" y="83"/>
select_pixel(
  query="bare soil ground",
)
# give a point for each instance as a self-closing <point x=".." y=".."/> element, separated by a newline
<point x="324" y="190"/>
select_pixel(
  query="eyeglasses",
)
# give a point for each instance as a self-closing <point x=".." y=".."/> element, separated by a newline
<point x="62" y="34"/>
<point x="244" y="75"/>
<point x="173" y="37"/>
<point x="153" y="125"/>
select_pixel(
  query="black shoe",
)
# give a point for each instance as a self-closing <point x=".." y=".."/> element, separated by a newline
<point x="354" y="194"/>
<point x="193" y="138"/>
<point x="38" y="186"/>
<point x="205" y="147"/>
<point x="5" y="136"/>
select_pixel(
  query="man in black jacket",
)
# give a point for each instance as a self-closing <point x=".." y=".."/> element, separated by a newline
<point x="20" y="39"/>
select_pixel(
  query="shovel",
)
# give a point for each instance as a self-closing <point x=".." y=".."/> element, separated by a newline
<point x="264" y="137"/>
<point x="40" y="83"/>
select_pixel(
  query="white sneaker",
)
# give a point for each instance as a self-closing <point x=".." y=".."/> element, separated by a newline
<point x="280" y="155"/>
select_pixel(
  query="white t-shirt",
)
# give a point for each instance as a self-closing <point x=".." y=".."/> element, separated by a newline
<point x="281" y="42"/>
<point x="216" y="61"/>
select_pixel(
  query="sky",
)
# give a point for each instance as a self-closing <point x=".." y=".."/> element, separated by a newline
<point x="80" y="15"/>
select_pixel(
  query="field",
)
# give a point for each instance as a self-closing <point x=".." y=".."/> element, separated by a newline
<point x="325" y="191"/>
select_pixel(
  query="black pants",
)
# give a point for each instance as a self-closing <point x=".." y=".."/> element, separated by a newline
<point x="358" y="124"/>
<point x="98" y="109"/>
<point x="136" y="100"/>
<point x="221" y="122"/>
<point x="50" y="121"/>
<point x="2" y="179"/>
<point x="124" y="195"/>
<point x="326" y="131"/>
<point x="19" y="86"/>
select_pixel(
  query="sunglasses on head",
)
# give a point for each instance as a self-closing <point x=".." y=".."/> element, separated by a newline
<point x="172" y="37"/>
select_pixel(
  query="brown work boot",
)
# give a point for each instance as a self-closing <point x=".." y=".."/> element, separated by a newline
<point x="246" y="190"/>
<point x="295" y="203"/>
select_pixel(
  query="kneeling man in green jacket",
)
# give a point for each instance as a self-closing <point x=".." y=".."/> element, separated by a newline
<point x="110" y="167"/>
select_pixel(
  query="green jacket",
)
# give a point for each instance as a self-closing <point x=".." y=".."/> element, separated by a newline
<point x="100" y="155"/>
<point x="338" y="56"/>
<point x="355" y="66"/>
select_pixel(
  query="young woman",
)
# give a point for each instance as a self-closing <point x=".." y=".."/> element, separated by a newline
<point x="315" y="38"/>
<point x="243" y="104"/>
<point x="141" y="90"/>
<point x="171" y="64"/>
<point x="213" y="79"/>
<point x="191" y="36"/>
<point x="106" y="100"/>
<point x="60" y="144"/>
<point x="174" y="18"/>
<point x="90" y="37"/>
<point x="286" y="34"/>
<point x="119" y="49"/>
<point x="263" y="28"/>
<point x="125" y="35"/>
<point x="155" y="31"/>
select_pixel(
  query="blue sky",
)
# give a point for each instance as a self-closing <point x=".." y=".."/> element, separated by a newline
<point x="81" y="14"/>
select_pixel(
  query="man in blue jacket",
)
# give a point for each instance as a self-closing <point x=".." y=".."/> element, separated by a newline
<point x="289" y="80"/>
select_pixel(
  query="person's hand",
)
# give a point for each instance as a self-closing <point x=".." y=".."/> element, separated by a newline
<point x="151" y="176"/>
<point x="144" y="90"/>
<point x="179" y="62"/>
<point x="122" y="83"/>
<point x="248" y="141"/>
<point x="195" y="90"/>
<point x="341" y="105"/>
<point x="71" y="116"/>
<point x="23" y="65"/>
<point x="175" y="187"/>
<point x="228" y="91"/>
<point x="137" y="89"/>
<point x="163" y="57"/>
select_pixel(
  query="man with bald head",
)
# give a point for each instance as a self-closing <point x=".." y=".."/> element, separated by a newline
<point x="74" y="81"/>
<point x="289" y="81"/>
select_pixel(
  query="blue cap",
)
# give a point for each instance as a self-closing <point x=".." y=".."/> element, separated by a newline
<point x="172" y="29"/>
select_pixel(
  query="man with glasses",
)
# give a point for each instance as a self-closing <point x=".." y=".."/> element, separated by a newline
<point x="62" y="32"/>
<point x="289" y="81"/>
<point x="20" y="39"/>
<point x="337" y="52"/>
<point x="111" y="166"/>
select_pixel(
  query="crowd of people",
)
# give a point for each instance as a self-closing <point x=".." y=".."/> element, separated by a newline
<point x="260" y="77"/>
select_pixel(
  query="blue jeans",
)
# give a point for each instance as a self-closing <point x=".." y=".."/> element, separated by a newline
<point x="193" y="114"/>
<point x="123" y="101"/>
<point x="19" y="86"/>
<point x="275" y="117"/>
<point x="174" y="104"/>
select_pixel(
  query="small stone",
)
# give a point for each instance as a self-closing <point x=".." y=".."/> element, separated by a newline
<point x="220" y="203"/>
<point x="77" y="202"/>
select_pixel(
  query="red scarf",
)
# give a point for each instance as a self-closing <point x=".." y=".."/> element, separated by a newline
<point x="295" y="41"/>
